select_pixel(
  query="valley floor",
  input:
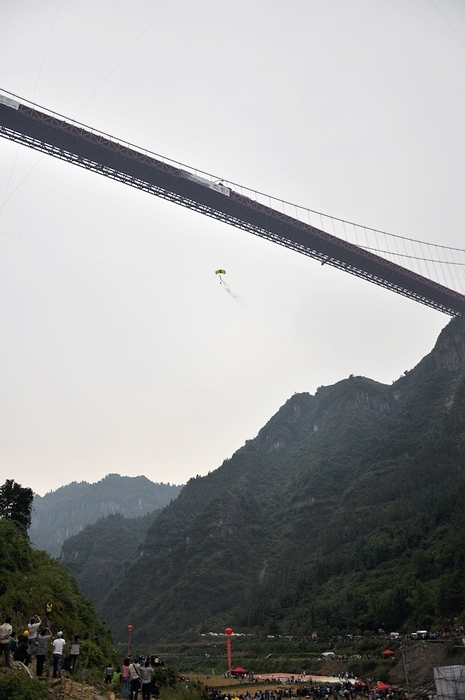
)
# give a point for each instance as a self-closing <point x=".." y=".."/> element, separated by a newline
<point x="421" y="658"/>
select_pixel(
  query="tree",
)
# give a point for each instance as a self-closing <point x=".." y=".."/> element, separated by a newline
<point x="16" y="503"/>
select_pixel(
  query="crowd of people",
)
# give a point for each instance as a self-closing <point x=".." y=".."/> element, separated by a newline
<point x="136" y="676"/>
<point x="35" y="643"/>
<point x="333" y="691"/>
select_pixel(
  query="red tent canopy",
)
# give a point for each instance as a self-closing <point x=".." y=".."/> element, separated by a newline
<point x="382" y="686"/>
<point x="239" y="670"/>
<point x="388" y="652"/>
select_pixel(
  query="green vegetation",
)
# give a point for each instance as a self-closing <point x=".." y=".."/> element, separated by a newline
<point x="20" y="687"/>
<point x="180" y="693"/>
<point x="99" y="554"/>
<point x="274" y="655"/>
<point x="344" y="514"/>
<point x="33" y="579"/>
<point x="16" y="504"/>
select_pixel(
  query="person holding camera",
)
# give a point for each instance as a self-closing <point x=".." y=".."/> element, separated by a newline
<point x="33" y="629"/>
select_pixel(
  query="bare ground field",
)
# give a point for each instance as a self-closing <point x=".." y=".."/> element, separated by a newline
<point x="420" y="657"/>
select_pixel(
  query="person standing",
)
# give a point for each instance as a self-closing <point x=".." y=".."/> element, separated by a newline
<point x="109" y="674"/>
<point x="41" y="651"/>
<point x="57" y="656"/>
<point x="5" y="633"/>
<point x="22" y="653"/>
<point x="33" y="629"/>
<point x="126" y="678"/>
<point x="13" y="642"/>
<point x="135" y="680"/>
<point x="146" y="679"/>
<point x="74" y="652"/>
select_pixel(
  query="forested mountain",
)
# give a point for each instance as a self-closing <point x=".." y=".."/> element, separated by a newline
<point x="99" y="555"/>
<point x="345" y="512"/>
<point x="65" y="512"/>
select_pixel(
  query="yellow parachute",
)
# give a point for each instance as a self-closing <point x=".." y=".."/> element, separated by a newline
<point x="221" y="272"/>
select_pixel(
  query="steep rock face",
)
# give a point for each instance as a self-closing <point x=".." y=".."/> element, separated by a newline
<point x="325" y="518"/>
<point x="280" y="432"/>
<point x="449" y="352"/>
<point x="228" y="531"/>
<point x="65" y="512"/>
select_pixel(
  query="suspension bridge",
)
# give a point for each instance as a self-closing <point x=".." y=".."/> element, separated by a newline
<point x="427" y="273"/>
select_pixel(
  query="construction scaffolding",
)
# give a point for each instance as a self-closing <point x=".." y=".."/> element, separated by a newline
<point x="450" y="682"/>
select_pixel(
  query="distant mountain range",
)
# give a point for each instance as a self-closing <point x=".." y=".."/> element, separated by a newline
<point x="345" y="513"/>
<point x="66" y="511"/>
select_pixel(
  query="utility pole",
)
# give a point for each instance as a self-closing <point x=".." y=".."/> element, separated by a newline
<point x="405" y="671"/>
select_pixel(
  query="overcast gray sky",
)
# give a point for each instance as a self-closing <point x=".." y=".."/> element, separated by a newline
<point x="120" y="351"/>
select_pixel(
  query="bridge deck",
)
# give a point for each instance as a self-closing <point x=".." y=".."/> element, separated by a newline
<point x="64" y="139"/>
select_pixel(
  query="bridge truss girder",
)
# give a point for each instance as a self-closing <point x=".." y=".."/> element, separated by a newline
<point x="99" y="153"/>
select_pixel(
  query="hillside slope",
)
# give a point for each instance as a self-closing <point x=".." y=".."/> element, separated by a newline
<point x="66" y="511"/>
<point x="101" y="552"/>
<point x="345" y="512"/>
<point x="32" y="579"/>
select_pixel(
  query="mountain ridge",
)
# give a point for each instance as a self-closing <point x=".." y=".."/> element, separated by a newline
<point x="343" y="513"/>
<point x="65" y="512"/>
